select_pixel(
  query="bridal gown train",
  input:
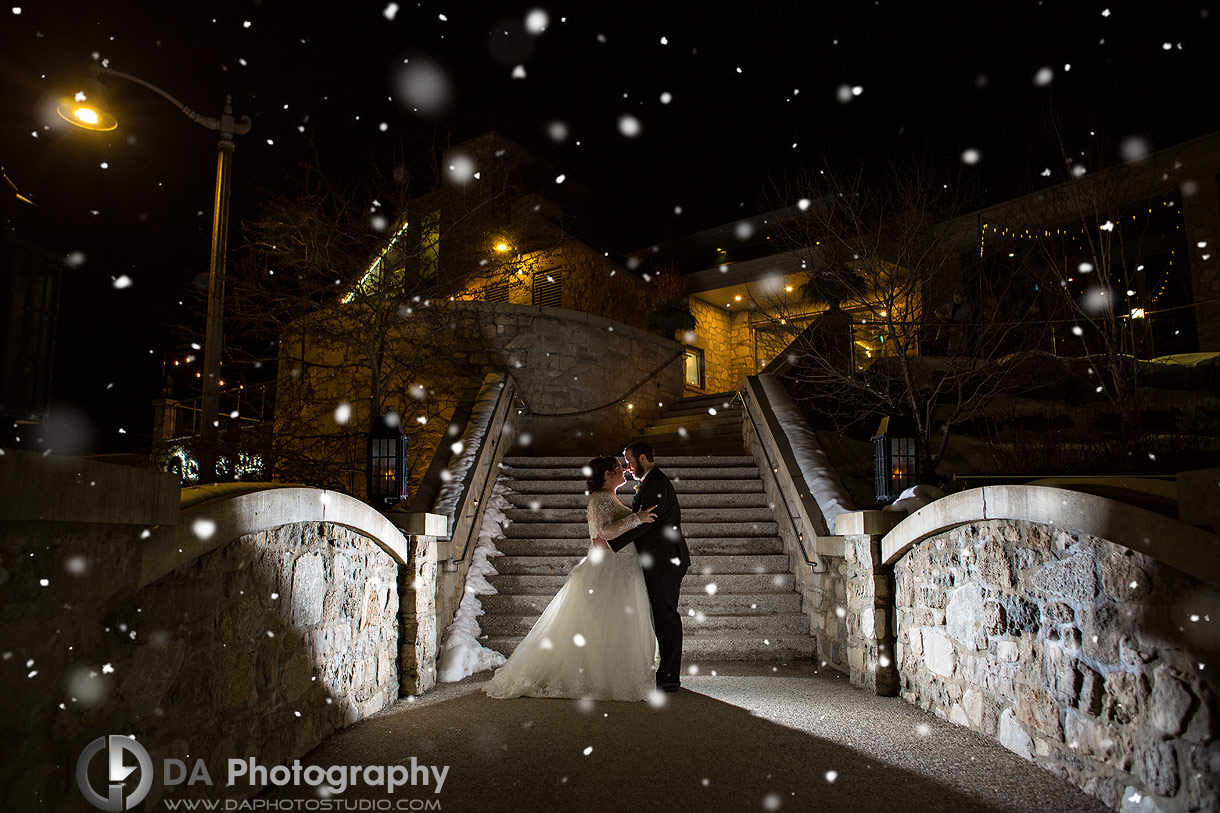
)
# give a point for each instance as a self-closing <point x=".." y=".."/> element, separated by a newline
<point x="595" y="639"/>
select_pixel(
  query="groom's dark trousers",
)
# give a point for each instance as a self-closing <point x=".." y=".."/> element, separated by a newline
<point x="665" y="558"/>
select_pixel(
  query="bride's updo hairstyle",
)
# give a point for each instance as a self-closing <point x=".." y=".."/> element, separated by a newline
<point x="598" y="468"/>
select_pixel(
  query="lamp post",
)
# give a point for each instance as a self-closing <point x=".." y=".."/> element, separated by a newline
<point x="95" y="117"/>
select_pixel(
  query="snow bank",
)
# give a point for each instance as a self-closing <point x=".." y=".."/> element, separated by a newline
<point x="468" y="448"/>
<point x="914" y="498"/>
<point x="461" y="654"/>
<point x="819" y="474"/>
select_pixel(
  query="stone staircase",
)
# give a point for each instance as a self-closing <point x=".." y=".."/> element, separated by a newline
<point x="738" y="601"/>
<point x="699" y="426"/>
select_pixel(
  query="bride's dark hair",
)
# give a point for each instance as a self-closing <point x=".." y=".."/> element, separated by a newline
<point x="598" y="468"/>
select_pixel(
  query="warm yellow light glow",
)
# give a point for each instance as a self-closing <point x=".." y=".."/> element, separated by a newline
<point x="85" y="115"/>
<point x="502" y="246"/>
<point x="788" y="289"/>
<point x="737" y="298"/>
<point x="1137" y="313"/>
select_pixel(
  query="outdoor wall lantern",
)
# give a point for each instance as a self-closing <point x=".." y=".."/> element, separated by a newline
<point x="386" y="476"/>
<point x="894" y="459"/>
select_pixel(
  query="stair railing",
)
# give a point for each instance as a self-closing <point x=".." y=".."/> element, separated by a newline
<point x="803" y="514"/>
<point x="482" y="440"/>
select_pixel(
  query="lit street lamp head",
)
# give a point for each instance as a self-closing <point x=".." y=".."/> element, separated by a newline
<point x="88" y="109"/>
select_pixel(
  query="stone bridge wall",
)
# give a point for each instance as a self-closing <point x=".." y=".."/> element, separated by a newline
<point x="1096" y="662"/>
<point x="259" y="648"/>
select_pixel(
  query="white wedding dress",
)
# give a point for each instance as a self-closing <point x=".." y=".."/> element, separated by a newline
<point x="595" y="639"/>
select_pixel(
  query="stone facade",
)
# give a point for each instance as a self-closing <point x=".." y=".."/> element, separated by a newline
<point x="417" y="597"/>
<point x="575" y="372"/>
<point x="848" y="603"/>
<point x="260" y="648"/>
<point x="824" y="600"/>
<point x="1095" y="662"/>
<point x="727" y="345"/>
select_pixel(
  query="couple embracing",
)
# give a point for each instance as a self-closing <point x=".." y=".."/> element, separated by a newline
<point x="613" y="631"/>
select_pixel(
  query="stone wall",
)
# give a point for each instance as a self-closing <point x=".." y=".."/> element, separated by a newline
<point x="727" y="345"/>
<point x="259" y="648"/>
<point x="824" y="591"/>
<point x="568" y="362"/>
<point x="564" y="362"/>
<point x="417" y="617"/>
<point x="1093" y="661"/>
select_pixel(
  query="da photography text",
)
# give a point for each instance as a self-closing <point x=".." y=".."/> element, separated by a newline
<point x="336" y="777"/>
<point x="120" y="751"/>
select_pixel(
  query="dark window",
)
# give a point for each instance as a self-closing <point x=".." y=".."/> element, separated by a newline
<point x="548" y="288"/>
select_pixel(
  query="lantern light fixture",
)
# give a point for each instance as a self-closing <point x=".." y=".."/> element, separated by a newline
<point x="894" y="458"/>
<point x="386" y="473"/>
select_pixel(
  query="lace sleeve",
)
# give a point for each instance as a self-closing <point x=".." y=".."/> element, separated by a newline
<point x="608" y="517"/>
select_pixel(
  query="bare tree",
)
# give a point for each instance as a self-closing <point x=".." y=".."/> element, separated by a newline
<point x="1092" y="237"/>
<point x="892" y="319"/>
<point x="347" y="289"/>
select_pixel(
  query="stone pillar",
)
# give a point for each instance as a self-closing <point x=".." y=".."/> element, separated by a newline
<point x="1201" y="218"/>
<point x="417" y="617"/>
<point x="870" y="606"/>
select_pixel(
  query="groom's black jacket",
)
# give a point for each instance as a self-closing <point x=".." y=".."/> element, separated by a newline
<point x="661" y="539"/>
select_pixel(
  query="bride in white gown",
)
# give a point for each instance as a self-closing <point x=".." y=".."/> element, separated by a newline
<point x="595" y="639"/>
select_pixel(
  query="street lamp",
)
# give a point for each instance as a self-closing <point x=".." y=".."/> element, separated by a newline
<point x="92" y="114"/>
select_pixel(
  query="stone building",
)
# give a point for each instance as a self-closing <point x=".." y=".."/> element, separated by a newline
<point x="518" y="279"/>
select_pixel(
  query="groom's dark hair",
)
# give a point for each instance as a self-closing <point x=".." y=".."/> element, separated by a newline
<point x="641" y="448"/>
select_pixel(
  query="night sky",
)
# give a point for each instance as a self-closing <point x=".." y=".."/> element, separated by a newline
<point x="726" y="99"/>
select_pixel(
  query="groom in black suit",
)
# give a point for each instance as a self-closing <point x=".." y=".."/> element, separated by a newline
<point x="663" y="555"/>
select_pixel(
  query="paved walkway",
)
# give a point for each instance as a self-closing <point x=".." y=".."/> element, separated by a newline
<point x="749" y="737"/>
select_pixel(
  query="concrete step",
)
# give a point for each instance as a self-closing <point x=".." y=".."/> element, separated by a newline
<point x="691" y="530"/>
<point x="665" y="447"/>
<point x="713" y="647"/>
<point x="672" y="422"/>
<point x="537" y="502"/>
<point x="704" y="432"/>
<point x="693" y="583"/>
<point x="713" y="546"/>
<point x="693" y="623"/>
<point x="720" y="401"/>
<point x="714" y="564"/>
<point x="575" y="463"/>
<point x="691" y="443"/>
<point x="569" y="515"/>
<point x="719" y="604"/>
<point x="694" y="413"/>
<point x="744" y="485"/>
<point x="675" y="474"/>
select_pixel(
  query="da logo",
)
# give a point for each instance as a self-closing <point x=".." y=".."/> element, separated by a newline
<point x="115" y="746"/>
